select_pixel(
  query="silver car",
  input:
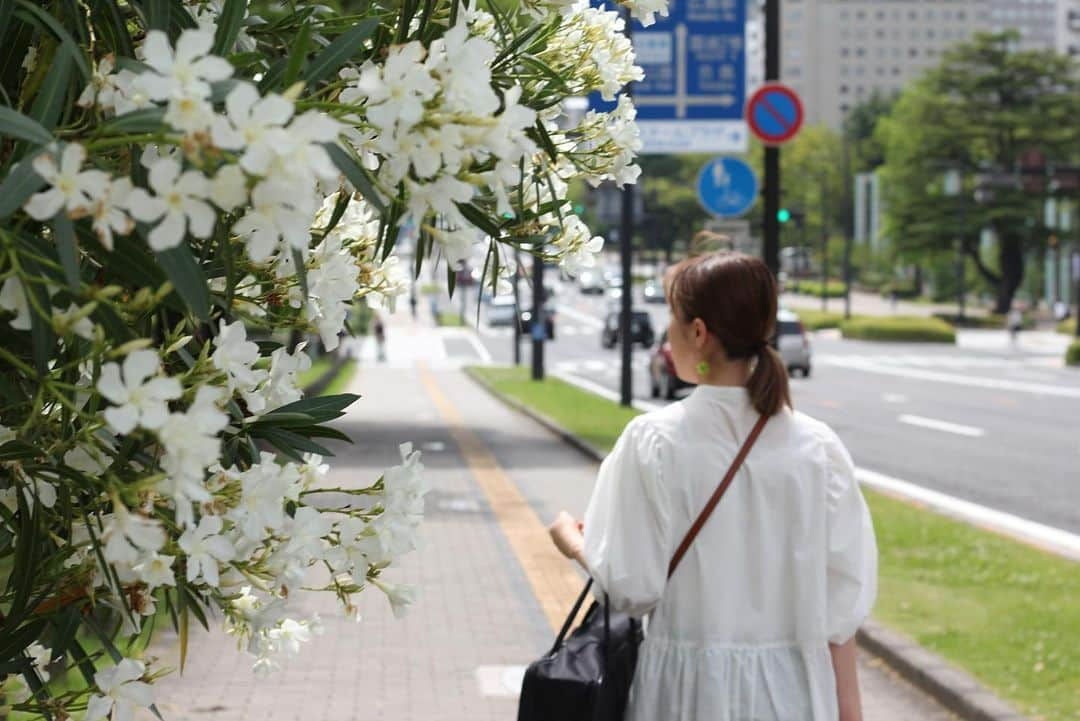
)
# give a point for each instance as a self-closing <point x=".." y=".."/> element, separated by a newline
<point x="792" y="343"/>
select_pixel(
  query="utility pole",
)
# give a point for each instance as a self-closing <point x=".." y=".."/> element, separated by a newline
<point x="517" y="306"/>
<point x="961" y="269"/>
<point x="539" y="329"/>
<point x="626" y="235"/>
<point x="824" y="244"/>
<point x="771" y="249"/>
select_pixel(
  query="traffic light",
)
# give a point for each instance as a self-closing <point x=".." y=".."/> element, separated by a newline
<point x="578" y="208"/>
<point x="783" y="215"/>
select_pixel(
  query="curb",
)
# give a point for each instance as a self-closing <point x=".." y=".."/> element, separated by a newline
<point x="955" y="689"/>
<point x="317" y="386"/>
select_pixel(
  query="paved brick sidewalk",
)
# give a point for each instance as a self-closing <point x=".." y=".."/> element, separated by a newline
<point x="478" y="618"/>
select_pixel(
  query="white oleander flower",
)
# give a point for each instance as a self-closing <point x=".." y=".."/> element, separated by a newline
<point x="206" y="550"/>
<point x="121" y="692"/>
<point x="236" y="356"/>
<point x="127" y="94"/>
<point x="646" y="10"/>
<point x="458" y="244"/>
<point x="289" y="635"/>
<point x="73" y="189"/>
<point x="306" y="533"/>
<point x="187" y="71"/>
<point x="64" y="321"/>
<point x="29" y="61"/>
<point x="228" y="189"/>
<point x="40" y="657"/>
<point x="177" y="206"/>
<point x="281" y="388"/>
<point x="127" y="535"/>
<point x="439" y="196"/>
<point x="191" y="446"/>
<point x="576" y="246"/>
<point x="302" y="157"/>
<point x="13" y="299"/>
<point x="400" y="595"/>
<point x="395" y="91"/>
<point x="87" y="459"/>
<point x="189" y="113"/>
<point x="262" y="488"/>
<point x="273" y="220"/>
<point x="313" y="472"/>
<point x="102" y="86"/>
<point x="110" y="212"/>
<point x="155" y="570"/>
<point x="255" y="125"/>
<point x="463" y="64"/>
<point x="139" y="395"/>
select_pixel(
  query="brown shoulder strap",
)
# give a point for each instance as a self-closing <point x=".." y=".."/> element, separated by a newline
<point x="717" y="495"/>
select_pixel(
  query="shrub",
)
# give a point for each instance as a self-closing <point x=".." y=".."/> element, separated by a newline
<point x="904" y="291"/>
<point x="1072" y="355"/>
<point x="899" y="329"/>
<point x="972" y="321"/>
<point x="834" y="289"/>
<point x="1067" y="326"/>
<point x="819" y="320"/>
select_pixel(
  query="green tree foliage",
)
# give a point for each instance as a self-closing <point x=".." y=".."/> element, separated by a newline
<point x="860" y="124"/>
<point x="987" y="109"/>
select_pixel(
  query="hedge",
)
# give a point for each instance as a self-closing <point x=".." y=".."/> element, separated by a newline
<point x="1067" y="326"/>
<point x="1072" y="355"/>
<point x="835" y="288"/>
<point x="899" y="329"/>
<point x="818" y="320"/>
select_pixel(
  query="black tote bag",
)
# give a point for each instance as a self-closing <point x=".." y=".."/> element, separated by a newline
<point x="587" y="676"/>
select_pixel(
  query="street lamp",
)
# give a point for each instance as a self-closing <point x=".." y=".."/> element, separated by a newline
<point x="954" y="187"/>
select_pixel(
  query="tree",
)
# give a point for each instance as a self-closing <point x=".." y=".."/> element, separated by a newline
<point x="991" y="112"/>
<point x="859" y="129"/>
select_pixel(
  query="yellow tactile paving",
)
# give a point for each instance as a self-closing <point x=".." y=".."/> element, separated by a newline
<point x="553" y="579"/>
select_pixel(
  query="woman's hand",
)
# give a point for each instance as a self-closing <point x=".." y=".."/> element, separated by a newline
<point x="567" y="535"/>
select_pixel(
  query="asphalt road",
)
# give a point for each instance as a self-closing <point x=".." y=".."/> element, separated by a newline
<point x="983" y="421"/>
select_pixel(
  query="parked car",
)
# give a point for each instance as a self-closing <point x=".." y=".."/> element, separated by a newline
<point x="641" y="329"/>
<point x="526" y="320"/>
<point x="663" y="381"/>
<point x="653" y="291"/>
<point x="591" y="282"/>
<point x="500" y="311"/>
<point x="791" y="342"/>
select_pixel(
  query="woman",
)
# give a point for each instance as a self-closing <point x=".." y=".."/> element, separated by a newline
<point x="757" y="623"/>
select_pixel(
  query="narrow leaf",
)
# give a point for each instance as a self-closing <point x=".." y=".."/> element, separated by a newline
<point x="20" y="184"/>
<point x="16" y="125"/>
<point x="68" y="249"/>
<point x="187" y="277"/>
<point x="230" y="20"/>
<point x="355" y="174"/>
<point x="49" y="104"/>
<point x="36" y="15"/>
<point x="157" y="14"/>
<point x="146" y="120"/>
<point x="297" y="55"/>
<point x="338" y="52"/>
<point x="301" y="270"/>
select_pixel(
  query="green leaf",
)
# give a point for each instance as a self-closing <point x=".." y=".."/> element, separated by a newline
<point x="355" y="174"/>
<point x="301" y="270"/>
<point x="68" y="249"/>
<point x="318" y="407"/>
<point x="82" y="660"/>
<point x="272" y="78"/>
<point x="338" y="52"/>
<point x="147" y="120"/>
<point x="34" y="14"/>
<point x="291" y="444"/>
<point x="15" y="450"/>
<point x="157" y="14"/>
<point x="297" y="55"/>
<point x="7" y="9"/>
<point x="478" y="218"/>
<point x="187" y="277"/>
<point x="42" y="337"/>
<point x="230" y="20"/>
<point x="108" y="16"/>
<point x="49" y="104"/>
<point x="16" y="125"/>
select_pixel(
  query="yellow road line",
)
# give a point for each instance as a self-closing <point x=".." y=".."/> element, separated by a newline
<point x="553" y="579"/>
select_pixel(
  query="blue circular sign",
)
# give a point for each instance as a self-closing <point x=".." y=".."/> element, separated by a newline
<point x="727" y="187"/>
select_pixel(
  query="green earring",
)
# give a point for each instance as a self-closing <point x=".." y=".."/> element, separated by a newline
<point x="703" y="368"/>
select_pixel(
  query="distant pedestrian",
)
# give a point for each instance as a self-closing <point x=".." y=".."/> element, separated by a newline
<point x="1061" y="310"/>
<point x="1014" y="321"/>
<point x="412" y="305"/>
<point x="758" y="621"/>
<point x="379" y="331"/>
<point x="892" y="300"/>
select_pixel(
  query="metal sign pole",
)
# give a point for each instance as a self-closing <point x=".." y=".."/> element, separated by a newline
<point x="771" y="249"/>
<point x="626" y="234"/>
<point x="517" y="306"/>
<point x="538" y="319"/>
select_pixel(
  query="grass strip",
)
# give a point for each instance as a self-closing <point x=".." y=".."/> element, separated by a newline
<point x="1005" y="612"/>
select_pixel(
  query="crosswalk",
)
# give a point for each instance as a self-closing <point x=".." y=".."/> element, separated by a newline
<point x="561" y="331"/>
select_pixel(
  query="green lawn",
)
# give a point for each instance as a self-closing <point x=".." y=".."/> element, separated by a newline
<point x="321" y="365"/>
<point x="1006" y="612"/>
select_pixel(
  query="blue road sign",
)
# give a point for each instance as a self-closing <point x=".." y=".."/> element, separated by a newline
<point x="727" y="187"/>
<point x="774" y="113"/>
<point x="692" y="97"/>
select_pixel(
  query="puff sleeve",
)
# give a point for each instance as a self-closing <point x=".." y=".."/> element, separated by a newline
<point x="627" y="524"/>
<point x="852" y="550"/>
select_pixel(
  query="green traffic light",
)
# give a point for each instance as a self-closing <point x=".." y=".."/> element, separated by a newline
<point x="783" y="215"/>
<point x="578" y="208"/>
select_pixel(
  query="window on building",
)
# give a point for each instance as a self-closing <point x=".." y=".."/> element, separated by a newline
<point x="844" y="108"/>
<point x="895" y="71"/>
<point x="913" y="15"/>
<point x="880" y="33"/>
<point x="860" y="90"/>
<point x="959" y="14"/>
<point x="844" y="71"/>
<point x="880" y="14"/>
<point x="845" y="52"/>
<point x="844" y="14"/>
<point x="843" y="89"/>
<point x="860" y="52"/>
<point x="929" y="32"/>
<point x="881" y="72"/>
<point x="913" y="52"/>
<point x="860" y="15"/>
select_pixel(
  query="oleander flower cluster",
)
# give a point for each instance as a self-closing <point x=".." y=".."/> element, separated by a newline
<point x="194" y="202"/>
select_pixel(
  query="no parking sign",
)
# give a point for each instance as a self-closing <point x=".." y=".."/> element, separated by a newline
<point x="774" y="114"/>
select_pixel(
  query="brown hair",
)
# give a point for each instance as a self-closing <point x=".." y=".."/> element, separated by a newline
<point x="735" y="296"/>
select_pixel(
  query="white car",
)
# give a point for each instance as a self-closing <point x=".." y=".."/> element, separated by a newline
<point x="501" y="311"/>
<point x="792" y="343"/>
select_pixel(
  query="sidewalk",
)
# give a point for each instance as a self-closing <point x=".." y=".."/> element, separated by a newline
<point x="872" y="304"/>
<point x="491" y="586"/>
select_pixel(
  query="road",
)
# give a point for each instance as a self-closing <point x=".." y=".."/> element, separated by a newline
<point x="982" y="421"/>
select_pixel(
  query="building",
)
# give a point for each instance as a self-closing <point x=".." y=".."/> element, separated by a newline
<point x="837" y="53"/>
<point x="1067" y="26"/>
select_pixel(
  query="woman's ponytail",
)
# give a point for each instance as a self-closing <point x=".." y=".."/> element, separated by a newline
<point x="768" y="384"/>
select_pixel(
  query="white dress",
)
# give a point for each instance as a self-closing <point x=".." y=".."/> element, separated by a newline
<point x="786" y="563"/>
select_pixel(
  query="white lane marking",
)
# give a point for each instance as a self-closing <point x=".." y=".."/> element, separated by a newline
<point x="583" y="317"/>
<point x="604" y="392"/>
<point x="894" y="398"/>
<point x="596" y="365"/>
<point x="1052" y="539"/>
<point x="963" y="380"/>
<point x="944" y="426"/>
